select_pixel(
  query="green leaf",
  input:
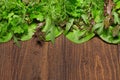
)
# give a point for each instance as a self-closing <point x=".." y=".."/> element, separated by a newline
<point x="107" y="36"/>
<point x="16" y="41"/>
<point x="85" y="18"/>
<point x="116" y="18"/>
<point x="68" y="25"/>
<point x="30" y="33"/>
<point x="6" y="37"/>
<point x="47" y="25"/>
<point x="98" y="28"/>
<point x="79" y="36"/>
<point x="57" y="31"/>
<point x="38" y="16"/>
<point x="118" y="5"/>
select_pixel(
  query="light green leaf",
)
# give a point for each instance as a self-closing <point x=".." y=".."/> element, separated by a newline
<point x="6" y="38"/>
<point x="31" y="31"/>
<point x="108" y="36"/>
<point x="38" y="16"/>
<point x="79" y="36"/>
<point x="116" y="18"/>
<point x="85" y="18"/>
<point x="53" y="33"/>
<point x="68" y="25"/>
<point x="47" y="25"/>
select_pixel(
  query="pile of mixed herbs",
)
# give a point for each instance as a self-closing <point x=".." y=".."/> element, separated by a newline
<point x="78" y="20"/>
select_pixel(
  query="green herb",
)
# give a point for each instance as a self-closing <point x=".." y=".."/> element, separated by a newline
<point x="77" y="20"/>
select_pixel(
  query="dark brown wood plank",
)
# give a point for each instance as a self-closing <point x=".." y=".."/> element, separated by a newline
<point x="64" y="60"/>
<point x="35" y="64"/>
<point x="5" y="63"/>
<point x="56" y="60"/>
<point x="29" y="62"/>
<point x="94" y="60"/>
<point x="119" y="57"/>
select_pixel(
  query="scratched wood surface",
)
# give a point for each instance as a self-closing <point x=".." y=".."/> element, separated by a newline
<point x="93" y="60"/>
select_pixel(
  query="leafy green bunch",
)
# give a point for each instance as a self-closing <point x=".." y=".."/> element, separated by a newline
<point x="14" y="21"/>
<point x="77" y="20"/>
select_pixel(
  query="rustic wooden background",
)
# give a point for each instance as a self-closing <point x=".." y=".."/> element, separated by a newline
<point x="93" y="60"/>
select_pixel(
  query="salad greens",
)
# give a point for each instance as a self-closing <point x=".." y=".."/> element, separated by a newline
<point x="77" y="20"/>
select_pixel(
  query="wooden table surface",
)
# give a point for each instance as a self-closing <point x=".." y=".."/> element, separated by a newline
<point x="93" y="60"/>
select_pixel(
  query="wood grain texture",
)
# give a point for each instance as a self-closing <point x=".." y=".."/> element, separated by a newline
<point x="64" y="60"/>
<point x="119" y="58"/>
